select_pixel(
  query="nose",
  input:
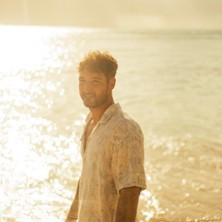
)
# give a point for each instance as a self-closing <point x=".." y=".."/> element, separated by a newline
<point x="86" y="88"/>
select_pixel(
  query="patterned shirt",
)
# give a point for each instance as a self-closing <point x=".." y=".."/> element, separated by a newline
<point x="113" y="159"/>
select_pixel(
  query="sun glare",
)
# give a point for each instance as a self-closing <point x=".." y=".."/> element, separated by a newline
<point x="23" y="47"/>
<point x="35" y="150"/>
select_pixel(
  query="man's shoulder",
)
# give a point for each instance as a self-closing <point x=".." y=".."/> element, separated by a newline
<point x="126" y="124"/>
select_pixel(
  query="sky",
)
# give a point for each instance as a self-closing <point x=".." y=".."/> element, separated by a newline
<point x="123" y="14"/>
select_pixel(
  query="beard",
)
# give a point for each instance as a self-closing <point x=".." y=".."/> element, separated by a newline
<point x="94" y="101"/>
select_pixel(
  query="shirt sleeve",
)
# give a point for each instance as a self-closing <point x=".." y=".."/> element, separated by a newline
<point x="128" y="161"/>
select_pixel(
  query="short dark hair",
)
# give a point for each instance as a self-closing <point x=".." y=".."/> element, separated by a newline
<point x="101" y="62"/>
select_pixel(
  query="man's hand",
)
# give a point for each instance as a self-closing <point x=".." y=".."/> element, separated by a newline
<point x="127" y="204"/>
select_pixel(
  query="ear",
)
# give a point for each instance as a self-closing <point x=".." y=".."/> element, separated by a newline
<point x="112" y="82"/>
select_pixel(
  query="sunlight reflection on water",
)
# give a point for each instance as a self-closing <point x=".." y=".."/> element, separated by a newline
<point x="42" y="118"/>
<point x="35" y="151"/>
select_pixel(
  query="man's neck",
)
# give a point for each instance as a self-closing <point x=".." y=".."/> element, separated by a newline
<point x="98" y="112"/>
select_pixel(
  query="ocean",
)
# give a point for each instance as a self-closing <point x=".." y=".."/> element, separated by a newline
<point x="169" y="81"/>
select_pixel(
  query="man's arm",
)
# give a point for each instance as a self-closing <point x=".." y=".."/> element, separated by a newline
<point x="127" y="204"/>
<point x="73" y="211"/>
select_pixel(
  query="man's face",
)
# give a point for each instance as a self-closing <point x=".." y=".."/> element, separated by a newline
<point x="95" y="88"/>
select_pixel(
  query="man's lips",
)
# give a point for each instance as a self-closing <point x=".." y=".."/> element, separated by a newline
<point x="88" y="96"/>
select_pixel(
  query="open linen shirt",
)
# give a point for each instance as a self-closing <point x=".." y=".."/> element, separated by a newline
<point x="113" y="159"/>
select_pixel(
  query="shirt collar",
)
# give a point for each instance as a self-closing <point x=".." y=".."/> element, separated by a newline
<point x="107" y="114"/>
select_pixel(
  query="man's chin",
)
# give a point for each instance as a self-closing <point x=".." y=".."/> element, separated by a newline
<point x="89" y="105"/>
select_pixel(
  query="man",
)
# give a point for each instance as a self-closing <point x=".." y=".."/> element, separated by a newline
<point x="111" y="147"/>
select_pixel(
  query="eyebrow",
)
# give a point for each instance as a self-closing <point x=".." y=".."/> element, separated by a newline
<point x="94" y="78"/>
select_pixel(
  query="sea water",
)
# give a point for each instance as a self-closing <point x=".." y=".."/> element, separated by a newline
<point x="169" y="81"/>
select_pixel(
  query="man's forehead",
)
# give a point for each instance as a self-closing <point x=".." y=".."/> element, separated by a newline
<point x="90" y="74"/>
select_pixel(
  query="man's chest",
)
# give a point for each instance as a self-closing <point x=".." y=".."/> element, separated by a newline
<point x="96" y="143"/>
<point x="87" y="133"/>
<point x="97" y="158"/>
